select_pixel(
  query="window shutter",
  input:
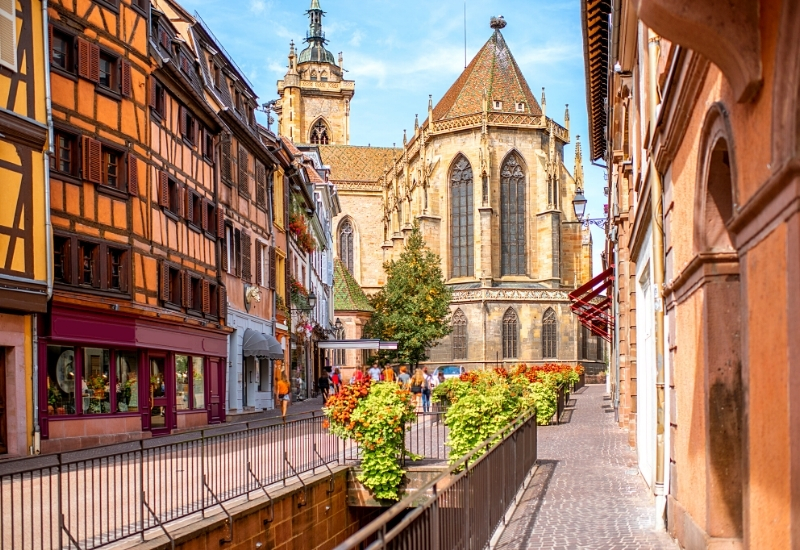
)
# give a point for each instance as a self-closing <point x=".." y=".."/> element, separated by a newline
<point x="247" y="266"/>
<point x="261" y="185"/>
<point x="206" y="296"/>
<point x="222" y="294"/>
<point x="94" y="62"/>
<point x="204" y="214"/>
<point x="226" y="159"/>
<point x="84" y="58"/>
<point x="220" y="223"/>
<point x="189" y="209"/>
<point x="49" y="38"/>
<point x="153" y="93"/>
<point x="133" y="176"/>
<point x="92" y="160"/>
<point x="244" y="183"/>
<point x="125" y="80"/>
<point x="237" y="252"/>
<point x="182" y="202"/>
<point x="8" y="34"/>
<point x="186" y="289"/>
<point x="163" y="189"/>
<point x="164" y="286"/>
<point x="223" y="252"/>
<point x="272" y="262"/>
<point x="182" y="119"/>
<point x="259" y="266"/>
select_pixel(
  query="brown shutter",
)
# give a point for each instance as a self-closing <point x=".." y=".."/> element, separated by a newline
<point x="259" y="270"/>
<point x="220" y="223"/>
<point x="182" y="192"/>
<point x="247" y="265"/>
<point x="182" y="119"/>
<point x="163" y="189"/>
<point x="226" y="159"/>
<point x="50" y="41"/>
<point x="94" y="62"/>
<point x="206" y="296"/>
<point x="204" y="214"/>
<point x="261" y="194"/>
<point x="84" y="58"/>
<point x="273" y="260"/>
<point x="92" y="160"/>
<point x="153" y="93"/>
<point x="189" y="206"/>
<point x="223" y="252"/>
<point x="125" y="80"/>
<point x="244" y="183"/>
<point x="186" y="289"/>
<point x="222" y="294"/>
<point x="133" y="176"/>
<point x="237" y="252"/>
<point x="164" y="286"/>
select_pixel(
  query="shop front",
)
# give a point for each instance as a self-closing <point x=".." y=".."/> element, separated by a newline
<point x="109" y="377"/>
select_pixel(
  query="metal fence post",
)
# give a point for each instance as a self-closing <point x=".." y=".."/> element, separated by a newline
<point x="141" y="485"/>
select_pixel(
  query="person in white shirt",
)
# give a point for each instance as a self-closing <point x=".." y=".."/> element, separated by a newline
<point x="375" y="373"/>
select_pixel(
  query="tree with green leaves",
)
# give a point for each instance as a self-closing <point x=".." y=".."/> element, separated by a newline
<point x="413" y="306"/>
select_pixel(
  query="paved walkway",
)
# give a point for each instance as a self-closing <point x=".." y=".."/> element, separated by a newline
<point x="587" y="493"/>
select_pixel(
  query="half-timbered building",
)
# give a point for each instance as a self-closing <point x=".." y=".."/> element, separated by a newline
<point x="24" y="242"/>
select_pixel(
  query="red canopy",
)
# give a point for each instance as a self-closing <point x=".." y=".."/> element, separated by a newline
<point x="592" y="307"/>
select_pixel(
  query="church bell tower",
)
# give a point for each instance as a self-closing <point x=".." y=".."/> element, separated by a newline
<point x="314" y="106"/>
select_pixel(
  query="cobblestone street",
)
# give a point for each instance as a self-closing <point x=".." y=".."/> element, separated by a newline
<point x="587" y="493"/>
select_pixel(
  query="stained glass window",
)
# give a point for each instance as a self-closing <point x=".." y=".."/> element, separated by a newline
<point x="549" y="334"/>
<point x="510" y="334"/>
<point x="346" y="244"/>
<point x="461" y="227"/>
<point x="512" y="217"/>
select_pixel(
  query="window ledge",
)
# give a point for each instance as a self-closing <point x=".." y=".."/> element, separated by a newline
<point x="112" y="191"/>
<point x="172" y="306"/>
<point x="210" y="235"/>
<point x="194" y="228"/>
<point x="170" y="214"/>
<point x="63" y="72"/>
<point x="68" y="178"/>
<point x="187" y="142"/>
<point x="102" y="90"/>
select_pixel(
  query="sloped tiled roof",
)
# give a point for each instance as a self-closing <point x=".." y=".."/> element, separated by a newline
<point x="358" y="164"/>
<point x="347" y="295"/>
<point x="493" y="69"/>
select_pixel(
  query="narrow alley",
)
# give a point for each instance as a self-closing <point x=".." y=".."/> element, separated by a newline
<point x="587" y="492"/>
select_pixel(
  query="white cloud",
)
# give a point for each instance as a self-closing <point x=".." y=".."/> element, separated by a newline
<point x="258" y="7"/>
<point x="355" y="40"/>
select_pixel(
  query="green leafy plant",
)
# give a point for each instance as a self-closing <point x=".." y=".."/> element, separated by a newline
<point x="376" y="416"/>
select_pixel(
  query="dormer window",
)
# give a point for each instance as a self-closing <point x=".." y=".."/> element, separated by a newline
<point x="498" y="105"/>
<point x="520" y="107"/>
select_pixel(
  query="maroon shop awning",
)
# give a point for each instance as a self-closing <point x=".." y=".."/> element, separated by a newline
<point x="592" y="307"/>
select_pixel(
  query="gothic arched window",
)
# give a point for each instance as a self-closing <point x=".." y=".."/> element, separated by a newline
<point x="510" y="334"/>
<point x="461" y="228"/>
<point x="346" y="245"/>
<point x="459" y="335"/>
<point x="512" y="218"/>
<point x="549" y="334"/>
<point x="319" y="133"/>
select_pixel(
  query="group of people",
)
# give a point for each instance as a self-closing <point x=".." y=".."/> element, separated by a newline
<point x="420" y="384"/>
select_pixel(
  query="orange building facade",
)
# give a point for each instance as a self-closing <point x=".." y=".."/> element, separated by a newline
<point x="700" y="134"/>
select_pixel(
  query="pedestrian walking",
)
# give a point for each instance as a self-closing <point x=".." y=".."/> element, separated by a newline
<point x="375" y="373"/>
<point x="427" y="379"/>
<point x="416" y="385"/>
<point x="336" y="380"/>
<point x="324" y="385"/>
<point x="282" y="388"/>
<point x="404" y="378"/>
<point x="388" y="374"/>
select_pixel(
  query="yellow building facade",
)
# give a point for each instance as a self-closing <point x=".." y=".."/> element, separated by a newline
<point x="24" y="221"/>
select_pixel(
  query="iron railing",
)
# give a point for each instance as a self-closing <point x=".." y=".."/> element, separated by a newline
<point x="90" y="498"/>
<point x="465" y="504"/>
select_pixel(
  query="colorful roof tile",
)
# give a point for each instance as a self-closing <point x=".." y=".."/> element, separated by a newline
<point x="494" y="70"/>
<point x="347" y="295"/>
<point x="350" y="163"/>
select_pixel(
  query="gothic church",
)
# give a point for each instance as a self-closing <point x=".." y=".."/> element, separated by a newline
<point x="484" y="176"/>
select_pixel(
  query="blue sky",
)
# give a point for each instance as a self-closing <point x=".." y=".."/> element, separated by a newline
<point x="398" y="52"/>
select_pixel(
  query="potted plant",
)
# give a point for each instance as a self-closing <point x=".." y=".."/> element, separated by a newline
<point x="53" y="399"/>
<point x="97" y="383"/>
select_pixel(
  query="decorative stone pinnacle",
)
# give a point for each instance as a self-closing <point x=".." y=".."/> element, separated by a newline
<point x="497" y="23"/>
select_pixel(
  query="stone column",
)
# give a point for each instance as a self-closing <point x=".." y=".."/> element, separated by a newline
<point x="484" y="263"/>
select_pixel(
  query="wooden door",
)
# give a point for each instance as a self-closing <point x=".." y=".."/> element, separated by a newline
<point x="216" y="390"/>
<point x="3" y="432"/>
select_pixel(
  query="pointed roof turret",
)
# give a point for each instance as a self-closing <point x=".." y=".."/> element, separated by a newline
<point x="315" y="37"/>
<point x="495" y="70"/>
<point x="347" y="295"/>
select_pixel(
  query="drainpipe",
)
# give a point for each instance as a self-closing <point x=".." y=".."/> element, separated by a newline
<point x="36" y="449"/>
<point x="653" y="46"/>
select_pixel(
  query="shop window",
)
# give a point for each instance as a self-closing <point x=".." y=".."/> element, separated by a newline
<point x="198" y="383"/>
<point x="61" y="378"/>
<point x="96" y="381"/>
<point x="127" y="381"/>
<point x="63" y="51"/>
<point x="182" y="396"/>
<point x="264" y="376"/>
<point x="190" y="383"/>
<point x="66" y="153"/>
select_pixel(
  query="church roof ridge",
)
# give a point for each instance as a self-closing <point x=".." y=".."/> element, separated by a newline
<point x="494" y="70"/>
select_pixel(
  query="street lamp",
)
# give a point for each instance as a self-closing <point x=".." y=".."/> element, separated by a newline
<point x="579" y="207"/>
<point x="311" y="301"/>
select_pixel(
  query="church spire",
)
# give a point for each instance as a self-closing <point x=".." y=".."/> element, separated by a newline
<point x="578" y="163"/>
<point x="315" y="34"/>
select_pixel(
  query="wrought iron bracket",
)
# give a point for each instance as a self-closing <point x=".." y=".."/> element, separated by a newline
<point x="261" y="486"/>
<point x="158" y="521"/>
<point x="230" y="519"/>
<point x="305" y="494"/>
<point x="331" y="483"/>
